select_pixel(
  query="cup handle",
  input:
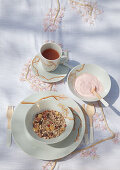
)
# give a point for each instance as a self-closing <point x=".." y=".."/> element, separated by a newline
<point x="64" y="58"/>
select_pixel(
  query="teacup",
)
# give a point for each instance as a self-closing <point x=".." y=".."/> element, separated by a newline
<point x="51" y="56"/>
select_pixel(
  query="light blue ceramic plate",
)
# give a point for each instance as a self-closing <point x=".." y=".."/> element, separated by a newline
<point x="49" y="104"/>
<point x="37" y="148"/>
<point x="93" y="69"/>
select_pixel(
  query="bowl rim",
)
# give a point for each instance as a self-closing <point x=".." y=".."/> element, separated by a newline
<point x="85" y="98"/>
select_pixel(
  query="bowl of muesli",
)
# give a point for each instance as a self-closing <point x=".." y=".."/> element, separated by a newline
<point x="49" y="121"/>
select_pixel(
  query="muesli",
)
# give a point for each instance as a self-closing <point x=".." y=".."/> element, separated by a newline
<point x="49" y="124"/>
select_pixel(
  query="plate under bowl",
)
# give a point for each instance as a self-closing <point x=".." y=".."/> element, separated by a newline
<point x="38" y="149"/>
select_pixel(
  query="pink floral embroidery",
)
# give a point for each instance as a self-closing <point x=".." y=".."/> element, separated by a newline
<point x="51" y="22"/>
<point x="98" y="120"/>
<point x="88" y="10"/>
<point x="51" y="41"/>
<point x="103" y="127"/>
<point x="116" y="139"/>
<point x="89" y="153"/>
<point x="95" y="117"/>
<point x="48" y="165"/>
<point x="35" y="83"/>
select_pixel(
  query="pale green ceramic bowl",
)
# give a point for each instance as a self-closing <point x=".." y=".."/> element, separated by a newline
<point x="49" y="104"/>
<point x="93" y="69"/>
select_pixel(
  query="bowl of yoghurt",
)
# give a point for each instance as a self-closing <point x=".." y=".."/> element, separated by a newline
<point x="83" y="78"/>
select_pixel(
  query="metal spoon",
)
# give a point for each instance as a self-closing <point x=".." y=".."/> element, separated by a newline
<point x="90" y="110"/>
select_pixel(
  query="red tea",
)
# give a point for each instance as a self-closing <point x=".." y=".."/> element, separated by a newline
<point x="50" y="54"/>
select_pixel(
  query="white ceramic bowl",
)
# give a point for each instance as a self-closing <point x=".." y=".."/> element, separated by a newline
<point x="49" y="104"/>
<point x="93" y="69"/>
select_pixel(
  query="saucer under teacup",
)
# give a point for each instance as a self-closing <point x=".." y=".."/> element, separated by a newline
<point x="49" y="77"/>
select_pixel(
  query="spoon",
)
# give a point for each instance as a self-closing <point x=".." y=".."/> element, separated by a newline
<point x="90" y="110"/>
<point x="93" y="90"/>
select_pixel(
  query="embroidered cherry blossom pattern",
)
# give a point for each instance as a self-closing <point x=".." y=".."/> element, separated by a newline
<point x="116" y="139"/>
<point x="98" y="121"/>
<point x="51" y="41"/>
<point x="89" y="153"/>
<point x="49" y="165"/>
<point x="35" y="83"/>
<point x="88" y="10"/>
<point x="52" y="19"/>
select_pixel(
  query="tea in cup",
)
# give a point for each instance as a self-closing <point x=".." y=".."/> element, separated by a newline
<point x="51" y="56"/>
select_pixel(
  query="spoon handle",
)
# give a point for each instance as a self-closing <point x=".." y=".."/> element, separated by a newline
<point x="104" y="102"/>
<point x="101" y="99"/>
<point x="91" y="130"/>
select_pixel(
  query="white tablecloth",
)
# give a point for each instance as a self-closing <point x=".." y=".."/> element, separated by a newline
<point x="22" y="31"/>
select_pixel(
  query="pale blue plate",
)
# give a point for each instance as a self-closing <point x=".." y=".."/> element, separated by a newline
<point x="39" y="149"/>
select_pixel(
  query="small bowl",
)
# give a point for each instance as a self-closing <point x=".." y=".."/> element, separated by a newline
<point x="49" y="104"/>
<point x="95" y="70"/>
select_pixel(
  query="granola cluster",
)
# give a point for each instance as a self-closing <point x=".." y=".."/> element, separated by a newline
<point x="49" y="124"/>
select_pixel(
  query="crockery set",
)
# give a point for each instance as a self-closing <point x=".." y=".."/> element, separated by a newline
<point x="50" y="65"/>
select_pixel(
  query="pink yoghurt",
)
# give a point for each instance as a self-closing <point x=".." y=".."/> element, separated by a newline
<point x="85" y="82"/>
